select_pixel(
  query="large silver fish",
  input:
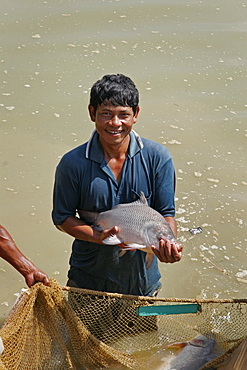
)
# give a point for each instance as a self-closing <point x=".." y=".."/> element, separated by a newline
<point x="194" y="354"/>
<point x="140" y="226"/>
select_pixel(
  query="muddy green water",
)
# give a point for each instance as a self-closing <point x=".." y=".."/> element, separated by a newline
<point x="189" y="61"/>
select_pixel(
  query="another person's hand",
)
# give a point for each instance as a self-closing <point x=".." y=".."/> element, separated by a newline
<point x="168" y="252"/>
<point x="35" y="276"/>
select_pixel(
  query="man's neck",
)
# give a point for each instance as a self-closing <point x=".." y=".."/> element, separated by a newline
<point x="117" y="151"/>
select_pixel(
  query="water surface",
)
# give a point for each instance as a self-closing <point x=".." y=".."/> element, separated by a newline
<point x="188" y="59"/>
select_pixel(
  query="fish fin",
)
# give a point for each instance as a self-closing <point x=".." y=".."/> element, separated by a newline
<point x="120" y="254"/>
<point x="112" y="240"/>
<point x="142" y="198"/>
<point x="149" y="260"/>
<point x="177" y="345"/>
<point x="134" y="246"/>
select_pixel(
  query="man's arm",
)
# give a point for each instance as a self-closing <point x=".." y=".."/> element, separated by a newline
<point x="10" y="252"/>
<point x="76" y="228"/>
<point x="173" y="224"/>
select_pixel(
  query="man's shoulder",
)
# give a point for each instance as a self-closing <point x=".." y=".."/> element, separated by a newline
<point x="156" y="149"/>
<point x="72" y="156"/>
<point x="79" y="150"/>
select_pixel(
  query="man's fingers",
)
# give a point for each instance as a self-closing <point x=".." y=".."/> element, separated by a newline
<point x="168" y="252"/>
<point x="110" y="232"/>
<point x="177" y="251"/>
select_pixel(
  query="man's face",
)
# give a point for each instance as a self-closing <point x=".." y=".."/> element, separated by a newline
<point x="113" y="123"/>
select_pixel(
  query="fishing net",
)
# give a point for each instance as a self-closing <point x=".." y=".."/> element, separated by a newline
<point x="63" y="328"/>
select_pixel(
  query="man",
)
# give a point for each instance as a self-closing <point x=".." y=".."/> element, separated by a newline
<point x="113" y="167"/>
<point x="10" y="252"/>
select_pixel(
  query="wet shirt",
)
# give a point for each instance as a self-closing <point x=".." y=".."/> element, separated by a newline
<point x="84" y="181"/>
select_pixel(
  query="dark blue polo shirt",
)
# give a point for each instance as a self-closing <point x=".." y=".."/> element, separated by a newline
<point x="85" y="181"/>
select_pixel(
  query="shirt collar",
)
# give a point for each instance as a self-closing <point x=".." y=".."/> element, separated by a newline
<point x="94" y="153"/>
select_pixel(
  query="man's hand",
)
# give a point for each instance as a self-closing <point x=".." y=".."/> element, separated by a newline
<point x="99" y="236"/>
<point x="35" y="276"/>
<point x="169" y="252"/>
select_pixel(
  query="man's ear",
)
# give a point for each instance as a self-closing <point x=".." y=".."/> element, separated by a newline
<point x="91" y="112"/>
<point x="136" y="114"/>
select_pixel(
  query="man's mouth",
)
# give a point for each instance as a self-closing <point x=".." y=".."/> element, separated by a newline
<point x="114" y="132"/>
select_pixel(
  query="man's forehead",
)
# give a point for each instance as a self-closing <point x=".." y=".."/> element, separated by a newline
<point x="107" y="106"/>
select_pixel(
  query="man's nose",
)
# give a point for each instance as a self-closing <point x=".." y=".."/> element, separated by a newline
<point x="115" y="120"/>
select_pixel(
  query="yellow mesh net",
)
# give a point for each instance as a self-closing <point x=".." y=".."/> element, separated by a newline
<point x="63" y="328"/>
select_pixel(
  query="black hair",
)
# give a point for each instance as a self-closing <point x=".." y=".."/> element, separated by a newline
<point x="116" y="89"/>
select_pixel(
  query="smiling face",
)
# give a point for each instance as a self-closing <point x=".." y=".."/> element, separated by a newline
<point x="113" y="123"/>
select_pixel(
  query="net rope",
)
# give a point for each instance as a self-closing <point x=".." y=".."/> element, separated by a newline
<point x="63" y="328"/>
